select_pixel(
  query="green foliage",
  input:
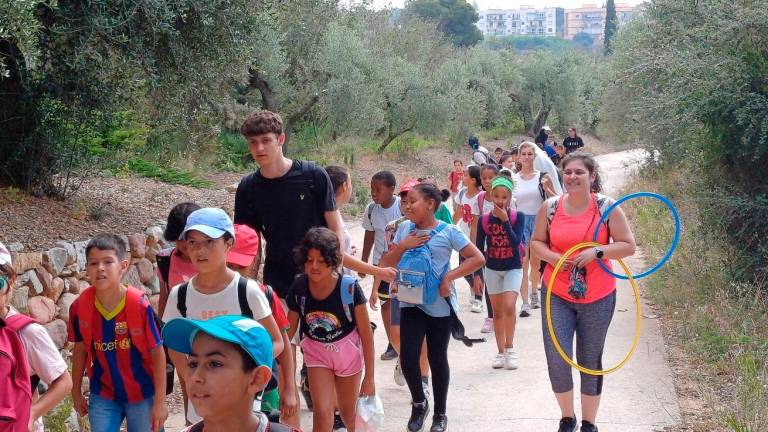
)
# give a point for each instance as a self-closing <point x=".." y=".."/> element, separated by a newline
<point x="584" y="40"/>
<point x="56" y="421"/>
<point x="151" y="170"/>
<point x="688" y="80"/>
<point x="611" y="23"/>
<point x="455" y="18"/>
<point x="233" y="152"/>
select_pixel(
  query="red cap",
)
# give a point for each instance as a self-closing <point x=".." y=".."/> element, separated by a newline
<point x="247" y="243"/>
<point x="408" y="185"/>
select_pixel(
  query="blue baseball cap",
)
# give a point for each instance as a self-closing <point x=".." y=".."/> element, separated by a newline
<point x="179" y="333"/>
<point x="211" y="221"/>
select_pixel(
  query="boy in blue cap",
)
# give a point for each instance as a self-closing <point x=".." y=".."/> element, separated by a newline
<point x="229" y="362"/>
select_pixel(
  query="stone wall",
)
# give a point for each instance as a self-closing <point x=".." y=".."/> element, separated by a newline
<point x="48" y="282"/>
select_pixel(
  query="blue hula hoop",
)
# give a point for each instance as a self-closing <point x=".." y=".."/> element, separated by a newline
<point x="672" y="247"/>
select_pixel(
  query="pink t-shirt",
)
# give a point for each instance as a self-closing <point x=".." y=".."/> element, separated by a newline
<point x="180" y="271"/>
<point x="567" y="231"/>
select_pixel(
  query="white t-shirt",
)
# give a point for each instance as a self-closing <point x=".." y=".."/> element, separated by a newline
<point x="469" y="207"/>
<point x="377" y="222"/>
<point x="43" y="357"/>
<point x="206" y="306"/>
<point x="527" y="195"/>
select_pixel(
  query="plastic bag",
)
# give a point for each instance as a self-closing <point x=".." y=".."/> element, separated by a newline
<point x="370" y="414"/>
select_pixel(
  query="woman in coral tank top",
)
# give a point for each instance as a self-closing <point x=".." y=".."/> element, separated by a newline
<point x="583" y="296"/>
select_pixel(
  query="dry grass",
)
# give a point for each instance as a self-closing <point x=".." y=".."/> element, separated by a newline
<point x="716" y="329"/>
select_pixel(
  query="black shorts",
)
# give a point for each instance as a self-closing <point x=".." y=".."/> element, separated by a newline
<point x="383" y="291"/>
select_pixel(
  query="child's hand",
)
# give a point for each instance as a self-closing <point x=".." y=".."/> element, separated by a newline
<point x="353" y="250"/>
<point x="445" y="287"/>
<point x="368" y="388"/>
<point x="500" y="213"/>
<point x="289" y="407"/>
<point x="413" y="240"/>
<point x="159" y="414"/>
<point x="477" y="287"/>
<point x="362" y="275"/>
<point x="80" y="404"/>
<point x="374" y="301"/>
<point x="387" y="274"/>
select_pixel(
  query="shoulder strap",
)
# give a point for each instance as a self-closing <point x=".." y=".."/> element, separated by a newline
<point x="164" y="266"/>
<point x="440" y="227"/>
<point x="269" y="293"/>
<point x="242" y="297"/>
<point x="18" y="322"/>
<point x="481" y="201"/>
<point x="134" y="299"/>
<point x="300" y="294"/>
<point x="306" y="167"/>
<point x="181" y="299"/>
<point x="484" y="221"/>
<point x="369" y="213"/>
<point x="603" y="202"/>
<point x="552" y="204"/>
<point x="348" y="295"/>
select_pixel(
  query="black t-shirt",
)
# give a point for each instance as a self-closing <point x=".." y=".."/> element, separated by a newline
<point x="282" y="210"/>
<point x="323" y="320"/>
<point x="572" y="144"/>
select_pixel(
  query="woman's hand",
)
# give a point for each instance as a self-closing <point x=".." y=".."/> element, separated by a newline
<point x="585" y="257"/>
<point x="500" y="213"/>
<point x="413" y="240"/>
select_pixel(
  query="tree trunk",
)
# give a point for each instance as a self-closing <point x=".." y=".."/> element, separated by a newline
<point x="296" y="117"/>
<point x="539" y="121"/>
<point x="256" y="81"/>
<point x="391" y="137"/>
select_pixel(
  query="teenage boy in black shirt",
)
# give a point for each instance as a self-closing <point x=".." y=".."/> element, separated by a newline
<point x="283" y="199"/>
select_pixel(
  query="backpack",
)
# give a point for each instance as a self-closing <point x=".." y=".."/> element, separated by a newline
<point x="603" y="202"/>
<point x="16" y="391"/>
<point x="486" y="157"/>
<point x="481" y="201"/>
<point x="417" y="269"/>
<point x="263" y="420"/>
<point x="485" y="221"/>
<point x="347" y="293"/>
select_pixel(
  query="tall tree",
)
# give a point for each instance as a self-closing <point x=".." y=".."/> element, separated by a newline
<point x="455" y="18"/>
<point x="611" y="22"/>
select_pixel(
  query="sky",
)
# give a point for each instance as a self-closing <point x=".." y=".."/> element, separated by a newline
<point x="514" y="4"/>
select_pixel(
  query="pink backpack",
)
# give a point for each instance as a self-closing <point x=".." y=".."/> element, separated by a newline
<point x="16" y="391"/>
<point x="485" y="220"/>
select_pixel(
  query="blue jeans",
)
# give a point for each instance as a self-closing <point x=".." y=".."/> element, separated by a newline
<point x="106" y="415"/>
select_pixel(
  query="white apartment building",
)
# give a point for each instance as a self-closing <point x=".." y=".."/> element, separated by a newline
<point x="527" y="21"/>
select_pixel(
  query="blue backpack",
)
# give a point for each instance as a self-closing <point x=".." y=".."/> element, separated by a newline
<point x="418" y="280"/>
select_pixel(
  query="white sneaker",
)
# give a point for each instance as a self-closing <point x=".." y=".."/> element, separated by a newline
<point x="525" y="310"/>
<point x="510" y="360"/>
<point x="499" y="361"/>
<point x="399" y="377"/>
<point x="477" y="306"/>
<point x="487" y="326"/>
<point x="534" y="300"/>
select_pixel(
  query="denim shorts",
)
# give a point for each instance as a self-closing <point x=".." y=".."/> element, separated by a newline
<point x="106" y="415"/>
<point x="499" y="282"/>
<point x="530" y="222"/>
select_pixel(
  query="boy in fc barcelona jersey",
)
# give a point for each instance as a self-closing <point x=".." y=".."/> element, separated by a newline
<point x="117" y="341"/>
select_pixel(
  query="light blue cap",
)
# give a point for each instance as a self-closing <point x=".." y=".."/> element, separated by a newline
<point x="179" y="334"/>
<point x="211" y="221"/>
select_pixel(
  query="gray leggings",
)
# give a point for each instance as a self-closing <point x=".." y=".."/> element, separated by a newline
<point x="590" y="324"/>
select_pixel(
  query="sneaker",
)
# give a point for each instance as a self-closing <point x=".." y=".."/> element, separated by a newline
<point x="338" y="423"/>
<point x="487" y="326"/>
<point x="525" y="311"/>
<point x="439" y="423"/>
<point x="477" y="306"/>
<point x="535" y="300"/>
<point x="498" y="361"/>
<point x="567" y="424"/>
<point x="510" y="360"/>
<point x="419" y="413"/>
<point x="587" y="427"/>
<point x="389" y="354"/>
<point x="399" y="377"/>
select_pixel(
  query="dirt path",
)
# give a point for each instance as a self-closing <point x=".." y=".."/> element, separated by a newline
<point x="639" y="397"/>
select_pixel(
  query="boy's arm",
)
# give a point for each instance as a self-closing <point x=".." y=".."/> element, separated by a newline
<point x="78" y="369"/>
<point x="274" y="332"/>
<point x="159" y="407"/>
<point x="382" y="272"/>
<point x="335" y="224"/>
<point x="367" y="247"/>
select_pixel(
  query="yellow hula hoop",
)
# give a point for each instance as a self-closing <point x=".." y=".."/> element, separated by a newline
<point x="548" y="309"/>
